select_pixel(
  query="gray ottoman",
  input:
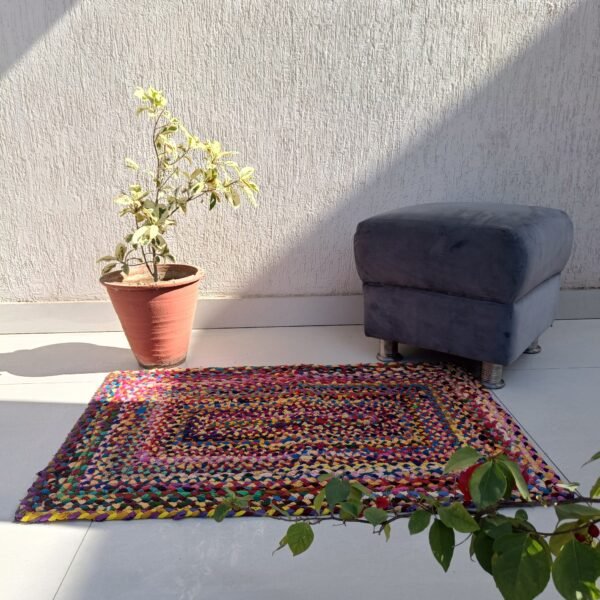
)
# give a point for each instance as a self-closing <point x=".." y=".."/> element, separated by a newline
<point x="476" y="280"/>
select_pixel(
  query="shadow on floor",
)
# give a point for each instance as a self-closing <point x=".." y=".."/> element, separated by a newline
<point x="30" y="435"/>
<point x="67" y="359"/>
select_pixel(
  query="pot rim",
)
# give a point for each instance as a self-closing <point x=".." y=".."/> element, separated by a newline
<point x="115" y="279"/>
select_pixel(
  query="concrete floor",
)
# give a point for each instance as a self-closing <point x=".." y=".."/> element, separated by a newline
<point x="46" y="380"/>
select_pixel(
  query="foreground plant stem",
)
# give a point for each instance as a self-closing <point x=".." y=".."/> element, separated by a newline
<point x="521" y="559"/>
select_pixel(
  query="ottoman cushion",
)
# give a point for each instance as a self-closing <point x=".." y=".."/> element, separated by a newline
<point x="496" y="252"/>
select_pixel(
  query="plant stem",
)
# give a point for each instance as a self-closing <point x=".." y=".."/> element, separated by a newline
<point x="154" y="264"/>
<point x="164" y="182"/>
<point x="569" y="530"/>
<point x="205" y="191"/>
<point x="404" y="515"/>
<point x="157" y="178"/>
<point x="154" y="269"/>
<point x="146" y="262"/>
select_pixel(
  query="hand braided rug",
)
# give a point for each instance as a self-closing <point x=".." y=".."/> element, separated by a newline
<point x="166" y="443"/>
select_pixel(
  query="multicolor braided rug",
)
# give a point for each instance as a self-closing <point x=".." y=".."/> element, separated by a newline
<point x="165" y="443"/>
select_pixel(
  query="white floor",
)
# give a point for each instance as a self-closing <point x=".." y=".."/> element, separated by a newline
<point x="46" y="380"/>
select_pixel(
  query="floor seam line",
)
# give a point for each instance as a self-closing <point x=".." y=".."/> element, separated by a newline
<point x="72" y="561"/>
<point x="532" y="439"/>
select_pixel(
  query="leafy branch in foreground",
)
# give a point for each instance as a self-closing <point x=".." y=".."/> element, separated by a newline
<point x="520" y="559"/>
<point x="174" y="181"/>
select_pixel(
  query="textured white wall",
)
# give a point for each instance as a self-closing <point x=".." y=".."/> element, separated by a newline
<point x="345" y="107"/>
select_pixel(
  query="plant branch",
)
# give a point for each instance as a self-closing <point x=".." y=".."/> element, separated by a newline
<point x="146" y="261"/>
<point x="160" y="114"/>
<point x="204" y="191"/>
<point x="405" y="515"/>
<point x="569" y="530"/>
<point x="154" y="270"/>
<point x="181" y="157"/>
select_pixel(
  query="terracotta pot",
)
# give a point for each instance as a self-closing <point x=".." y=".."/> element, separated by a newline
<point x="156" y="317"/>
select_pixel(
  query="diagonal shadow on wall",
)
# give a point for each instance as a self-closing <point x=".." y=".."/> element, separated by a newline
<point x="23" y="22"/>
<point x="504" y="143"/>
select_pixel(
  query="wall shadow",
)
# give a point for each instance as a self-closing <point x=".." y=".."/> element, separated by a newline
<point x="510" y="132"/>
<point x="67" y="359"/>
<point x="23" y="22"/>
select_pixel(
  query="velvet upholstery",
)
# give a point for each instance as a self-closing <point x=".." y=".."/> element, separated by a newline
<point x="478" y="329"/>
<point x="471" y="279"/>
<point x="490" y="251"/>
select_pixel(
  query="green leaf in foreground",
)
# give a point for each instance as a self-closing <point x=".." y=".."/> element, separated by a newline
<point x="375" y="516"/>
<point x="483" y="548"/>
<point x="365" y="491"/>
<point x="282" y="544"/>
<point x="595" y="491"/>
<point x="576" y="570"/>
<point x="521" y="566"/>
<point x="513" y="469"/>
<point x="337" y="490"/>
<point x="240" y="502"/>
<point x="299" y="537"/>
<point x="462" y="459"/>
<point x="576" y="511"/>
<point x="496" y="526"/>
<point x="318" y="502"/>
<point x="441" y="540"/>
<point x="595" y="457"/>
<point x="487" y="484"/>
<point x="388" y="531"/>
<point x="355" y="495"/>
<point x="221" y="512"/>
<point x="571" y="486"/>
<point x="457" y="517"/>
<point x="418" y="521"/>
<point x="521" y="515"/>
<point x="350" y="510"/>
<point x="564" y="533"/>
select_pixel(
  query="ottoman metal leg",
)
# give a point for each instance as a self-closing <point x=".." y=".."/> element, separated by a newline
<point x="388" y="351"/>
<point x="491" y="375"/>
<point x="534" y="347"/>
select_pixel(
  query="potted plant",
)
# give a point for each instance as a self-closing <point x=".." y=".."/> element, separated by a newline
<point x="153" y="296"/>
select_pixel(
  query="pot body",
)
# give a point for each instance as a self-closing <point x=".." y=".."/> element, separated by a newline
<point x="156" y="317"/>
